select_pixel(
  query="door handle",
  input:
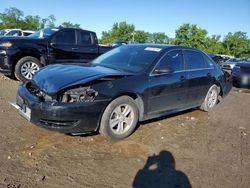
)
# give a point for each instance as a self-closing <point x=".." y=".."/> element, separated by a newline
<point x="182" y="78"/>
<point x="74" y="48"/>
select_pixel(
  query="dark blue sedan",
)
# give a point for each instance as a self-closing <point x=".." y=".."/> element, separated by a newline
<point x="120" y="88"/>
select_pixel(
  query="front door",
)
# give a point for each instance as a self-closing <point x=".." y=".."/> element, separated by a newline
<point x="63" y="47"/>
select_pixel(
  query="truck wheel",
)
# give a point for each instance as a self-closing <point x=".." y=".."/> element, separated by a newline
<point x="119" y="119"/>
<point x="211" y="99"/>
<point x="26" y="68"/>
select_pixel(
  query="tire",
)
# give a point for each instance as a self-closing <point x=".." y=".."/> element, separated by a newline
<point x="211" y="99"/>
<point x="26" y="68"/>
<point x="115" y="125"/>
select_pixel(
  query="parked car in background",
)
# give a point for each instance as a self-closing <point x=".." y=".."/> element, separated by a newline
<point x="229" y="64"/>
<point x="15" y="32"/>
<point x="128" y="84"/>
<point x="219" y="59"/>
<point x="241" y="74"/>
<point x="24" y="56"/>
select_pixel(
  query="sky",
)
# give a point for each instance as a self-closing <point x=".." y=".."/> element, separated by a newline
<point x="216" y="16"/>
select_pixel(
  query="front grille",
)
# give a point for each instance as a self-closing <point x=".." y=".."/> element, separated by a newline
<point x="55" y="123"/>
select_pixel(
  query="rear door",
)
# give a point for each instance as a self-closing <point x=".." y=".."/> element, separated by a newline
<point x="87" y="47"/>
<point x="62" y="47"/>
<point x="168" y="90"/>
<point x="199" y="76"/>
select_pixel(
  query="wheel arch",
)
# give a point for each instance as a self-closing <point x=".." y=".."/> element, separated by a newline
<point x="138" y="101"/>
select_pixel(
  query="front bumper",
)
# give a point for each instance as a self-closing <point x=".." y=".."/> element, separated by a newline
<point x="63" y="117"/>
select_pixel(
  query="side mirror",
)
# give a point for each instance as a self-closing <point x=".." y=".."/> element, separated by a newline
<point x="163" y="71"/>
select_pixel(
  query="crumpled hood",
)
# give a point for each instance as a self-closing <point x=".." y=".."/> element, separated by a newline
<point x="54" y="78"/>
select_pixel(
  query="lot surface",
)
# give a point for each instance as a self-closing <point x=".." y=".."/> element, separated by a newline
<point x="189" y="149"/>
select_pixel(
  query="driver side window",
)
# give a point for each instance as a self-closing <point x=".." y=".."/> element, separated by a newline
<point x="172" y="60"/>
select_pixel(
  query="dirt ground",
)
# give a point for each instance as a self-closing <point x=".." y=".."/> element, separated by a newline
<point x="189" y="149"/>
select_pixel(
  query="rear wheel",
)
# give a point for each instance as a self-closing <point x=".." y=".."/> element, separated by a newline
<point x="26" y="68"/>
<point x="119" y="118"/>
<point x="211" y="99"/>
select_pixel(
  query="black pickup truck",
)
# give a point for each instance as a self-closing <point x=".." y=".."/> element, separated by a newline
<point x="23" y="56"/>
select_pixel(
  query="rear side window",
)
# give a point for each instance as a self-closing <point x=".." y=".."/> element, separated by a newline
<point x="172" y="60"/>
<point x="85" y="38"/>
<point x="194" y="60"/>
<point x="65" y="37"/>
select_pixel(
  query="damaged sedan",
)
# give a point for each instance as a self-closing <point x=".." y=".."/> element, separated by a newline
<point x="120" y="88"/>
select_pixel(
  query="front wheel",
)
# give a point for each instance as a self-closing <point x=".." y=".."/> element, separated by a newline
<point x="119" y="119"/>
<point x="26" y="68"/>
<point x="211" y="99"/>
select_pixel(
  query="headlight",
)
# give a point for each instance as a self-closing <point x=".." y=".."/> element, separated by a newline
<point x="6" y="44"/>
<point x="82" y="94"/>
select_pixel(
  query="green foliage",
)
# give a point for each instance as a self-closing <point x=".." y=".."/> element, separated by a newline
<point x="14" y="18"/>
<point x="119" y="31"/>
<point x="125" y="31"/>
<point x="214" y="45"/>
<point x="158" y="38"/>
<point x="11" y="18"/>
<point x="140" y="36"/>
<point x="191" y="35"/>
<point x="237" y="44"/>
<point x="70" y="25"/>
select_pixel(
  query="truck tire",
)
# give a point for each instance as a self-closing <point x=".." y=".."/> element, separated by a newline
<point x="26" y="67"/>
<point x="119" y="119"/>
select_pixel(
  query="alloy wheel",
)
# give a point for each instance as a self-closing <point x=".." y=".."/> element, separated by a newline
<point x="121" y="119"/>
<point x="28" y="69"/>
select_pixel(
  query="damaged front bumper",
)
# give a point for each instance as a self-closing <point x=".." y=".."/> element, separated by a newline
<point x="74" y="118"/>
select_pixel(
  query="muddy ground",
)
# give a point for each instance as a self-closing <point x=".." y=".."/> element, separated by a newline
<point x="189" y="149"/>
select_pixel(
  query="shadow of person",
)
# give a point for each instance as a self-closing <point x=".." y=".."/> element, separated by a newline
<point x="159" y="172"/>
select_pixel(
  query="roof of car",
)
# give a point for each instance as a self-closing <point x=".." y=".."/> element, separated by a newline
<point x="164" y="46"/>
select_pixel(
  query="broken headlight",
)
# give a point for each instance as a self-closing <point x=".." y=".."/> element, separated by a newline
<point x="82" y="94"/>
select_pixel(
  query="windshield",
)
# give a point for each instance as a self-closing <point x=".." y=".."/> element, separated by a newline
<point x="128" y="58"/>
<point x="43" y="33"/>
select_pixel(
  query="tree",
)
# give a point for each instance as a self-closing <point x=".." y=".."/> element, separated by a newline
<point x="237" y="44"/>
<point x="119" y="31"/>
<point x="11" y="18"/>
<point x="14" y="18"/>
<point x="191" y="35"/>
<point x="70" y="25"/>
<point x="31" y="22"/>
<point x="47" y="22"/>
<point x="158" y="38"/>
<point x="214" y="45"/>
<point x="140" y="36"/>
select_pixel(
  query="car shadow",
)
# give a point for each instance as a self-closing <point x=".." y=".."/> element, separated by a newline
<point x="159" y="171"/>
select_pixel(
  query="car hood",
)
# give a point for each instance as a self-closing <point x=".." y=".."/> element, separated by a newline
<point x="54" y="78"/>
<point x="20" y="39"/>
